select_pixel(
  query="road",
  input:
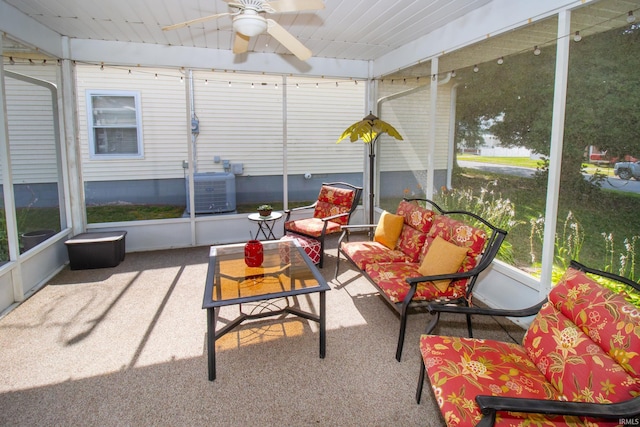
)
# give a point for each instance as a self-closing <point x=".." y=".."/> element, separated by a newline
<point x="612" y="183"/>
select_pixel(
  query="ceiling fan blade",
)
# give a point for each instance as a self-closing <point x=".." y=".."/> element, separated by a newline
<point x="240" y="43"/>
<point x="193" y="21"/>
<point x="288" y="40"/>
<point x="282" y="6"/>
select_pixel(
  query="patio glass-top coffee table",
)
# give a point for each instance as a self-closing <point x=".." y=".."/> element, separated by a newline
<point x="286" y="272"/>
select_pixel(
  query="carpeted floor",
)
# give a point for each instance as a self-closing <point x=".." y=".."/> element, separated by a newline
<point x="126" y="346"/>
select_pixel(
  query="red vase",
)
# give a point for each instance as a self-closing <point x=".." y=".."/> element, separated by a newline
<point x="253" y="253"/>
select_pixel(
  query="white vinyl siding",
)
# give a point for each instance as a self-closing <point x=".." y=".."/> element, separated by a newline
<point x="318" y="112"/>
<point x="410" y="116"/>
<point x="240" y="121"/>
<point x="164" y="124"/>
<point x="31" y="127"/>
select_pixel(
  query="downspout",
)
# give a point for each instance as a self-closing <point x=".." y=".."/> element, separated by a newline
<point x="396" y="95"/>
<point x="432" y="129"/>
<point x="452" y="129"/>
<point x="194" y="123"/>
<point x="410" y="91"/>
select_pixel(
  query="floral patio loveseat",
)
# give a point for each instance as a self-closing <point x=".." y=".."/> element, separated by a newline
<point x="578" y="364"/>
<point x="422" y="254"/>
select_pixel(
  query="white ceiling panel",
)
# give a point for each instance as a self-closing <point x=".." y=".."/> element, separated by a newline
<point x="342" y="35"/>
<point x="345" y="29"/>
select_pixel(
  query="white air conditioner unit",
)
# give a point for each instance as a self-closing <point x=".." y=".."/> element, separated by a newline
<point x="214" y="192"/>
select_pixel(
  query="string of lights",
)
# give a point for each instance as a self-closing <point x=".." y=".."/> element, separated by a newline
<point x="222" y="76"/>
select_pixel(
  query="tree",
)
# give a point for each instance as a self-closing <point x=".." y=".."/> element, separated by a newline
<point x="514" y="101"/>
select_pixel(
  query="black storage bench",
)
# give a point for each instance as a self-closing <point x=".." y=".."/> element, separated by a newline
<point x="96" y="250"/>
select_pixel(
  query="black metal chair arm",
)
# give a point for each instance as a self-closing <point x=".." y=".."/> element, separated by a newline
<point x="299" y="208"/>
<point x="346" y="231"/>
<point x="357" y="226"/>
<point x="626" y="281"/>
<point x="332" y="217"/>
<point x="436" y="307"/>
<point x="413" y="281"/>
<point x="489" y="405"/>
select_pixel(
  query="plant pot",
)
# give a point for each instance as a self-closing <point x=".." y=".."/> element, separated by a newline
<point x="33" y="238"/>
<point x="264" y="213"/>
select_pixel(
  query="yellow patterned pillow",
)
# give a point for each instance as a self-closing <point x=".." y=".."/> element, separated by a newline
<point x="442" y="258"/>
<point x="389" y="229"/>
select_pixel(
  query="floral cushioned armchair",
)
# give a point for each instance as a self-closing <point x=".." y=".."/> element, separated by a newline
<point x="336" y="202"/>
<point x="401" y="272"/>
<point x="578" y="364"/>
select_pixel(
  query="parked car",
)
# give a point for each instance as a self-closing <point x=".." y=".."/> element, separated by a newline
<point x="627" y="170"/>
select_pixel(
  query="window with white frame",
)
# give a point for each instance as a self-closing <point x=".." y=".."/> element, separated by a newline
<point x="114" y="124"/>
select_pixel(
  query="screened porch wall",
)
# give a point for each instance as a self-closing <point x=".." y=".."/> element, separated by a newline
<point x="405" y="102"/>
<point x="257" y="127"/>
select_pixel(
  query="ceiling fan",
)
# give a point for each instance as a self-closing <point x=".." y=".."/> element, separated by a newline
<point x="248" y="21"/>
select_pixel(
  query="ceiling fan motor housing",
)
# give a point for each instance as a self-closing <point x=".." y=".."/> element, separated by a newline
<point x="249" y="23"/>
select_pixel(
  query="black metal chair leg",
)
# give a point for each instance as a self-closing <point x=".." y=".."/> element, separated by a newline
<point x="423" y="371"/>
<point x="469" y="328"/>
<point x="321" y="253"/>
<point x="403" y="326"/>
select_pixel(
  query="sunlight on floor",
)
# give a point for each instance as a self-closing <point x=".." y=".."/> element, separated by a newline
<point x="260" y="334"/>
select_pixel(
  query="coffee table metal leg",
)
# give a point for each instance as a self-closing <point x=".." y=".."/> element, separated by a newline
<point x="211" y="343"/>
<point x="323" y="326"/>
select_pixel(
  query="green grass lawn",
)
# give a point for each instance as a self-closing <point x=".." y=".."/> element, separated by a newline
<point x="526" y="162"/>
<point x="523" y="162"/>
<point x="612" y="212"/>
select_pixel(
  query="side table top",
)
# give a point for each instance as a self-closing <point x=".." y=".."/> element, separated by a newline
<point x="273" y="217"/>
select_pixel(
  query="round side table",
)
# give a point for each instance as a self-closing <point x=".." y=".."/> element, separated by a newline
<point x="265" y="224"/>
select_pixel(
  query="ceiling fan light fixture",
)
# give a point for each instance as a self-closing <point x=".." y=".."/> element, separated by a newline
<point x="249" y="25"/>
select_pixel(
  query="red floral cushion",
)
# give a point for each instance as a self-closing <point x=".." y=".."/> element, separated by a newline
<point x="582" y="346"/>
<point x="603" y="315"/>
<point x="365" y="253"/>
<point x="312" y="226"/>
<point x="578" y="368"/>
<point x="391" y="279"/>
<point x="461" y="368"/>
<point x="457" y="232"/>
<point x="411" y="242"/>
<point x="334" y="201"/>
<point x="416" y="216"/>
<point x="417" y="222"/>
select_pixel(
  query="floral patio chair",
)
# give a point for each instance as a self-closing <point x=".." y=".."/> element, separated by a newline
<point x="336" y="202"/>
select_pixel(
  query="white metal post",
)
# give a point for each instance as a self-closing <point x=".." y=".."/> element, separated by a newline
<point x="555" y="151"/>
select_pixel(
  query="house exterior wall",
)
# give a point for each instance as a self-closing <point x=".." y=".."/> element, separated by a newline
<point x="240" y="121"/>
<point x="262" y="123"/>
<point x="165" y="130"/>
<point x="31" y="131"/>
<point x="32" y="136"/>
<point x="316" y="117"/>
<point x="403" y="164"/>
